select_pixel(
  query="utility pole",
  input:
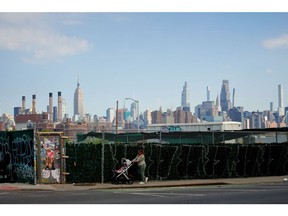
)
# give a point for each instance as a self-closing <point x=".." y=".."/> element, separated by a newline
<point x="117" y="117"/>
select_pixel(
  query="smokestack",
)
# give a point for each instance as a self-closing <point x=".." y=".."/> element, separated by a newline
<point x="33" y="104"/>
<point x="51" y="106"/>
<point x="59" y="107"/>
<point x="23" y="105"/>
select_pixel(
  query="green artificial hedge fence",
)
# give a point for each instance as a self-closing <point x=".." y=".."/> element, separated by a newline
<point x="177" y="161"/>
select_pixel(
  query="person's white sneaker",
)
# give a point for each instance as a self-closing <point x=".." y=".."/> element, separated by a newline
<point x="146" y="179"/>
<point x="141" y="182"/>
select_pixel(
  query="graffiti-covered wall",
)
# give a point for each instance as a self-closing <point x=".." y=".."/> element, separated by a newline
<point x="17" y="156"/>
<point x="168" y="161"/>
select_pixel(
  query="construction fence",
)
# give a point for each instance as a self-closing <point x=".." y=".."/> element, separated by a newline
<point x="17" y="156"/>
<point x="26" y="156"/>
<point x="89" y="163"/>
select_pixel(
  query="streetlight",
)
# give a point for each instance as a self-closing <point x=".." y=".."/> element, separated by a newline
<point x="136" y="101"/>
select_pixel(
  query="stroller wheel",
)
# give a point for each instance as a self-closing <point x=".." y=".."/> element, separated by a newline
<point x="130" y="182"/>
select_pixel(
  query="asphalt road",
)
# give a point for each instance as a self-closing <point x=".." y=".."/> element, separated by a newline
<point x="221" y="194"/>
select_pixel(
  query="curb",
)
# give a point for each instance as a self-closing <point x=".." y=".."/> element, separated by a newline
<point x="157" y="185"/>
<point x="150" y="184"/>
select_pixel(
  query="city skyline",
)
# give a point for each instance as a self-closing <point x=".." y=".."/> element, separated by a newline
<point x="144" y="56"/>
<point x="79" y="113"/>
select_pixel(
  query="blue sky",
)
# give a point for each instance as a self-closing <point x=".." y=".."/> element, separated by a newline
<point x="146" y="56"/>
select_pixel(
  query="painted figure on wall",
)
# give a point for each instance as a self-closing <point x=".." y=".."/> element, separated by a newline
<point x="50" y="159"/>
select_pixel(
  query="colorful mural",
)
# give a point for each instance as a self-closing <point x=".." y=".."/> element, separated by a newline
<point x="50" y="159"/>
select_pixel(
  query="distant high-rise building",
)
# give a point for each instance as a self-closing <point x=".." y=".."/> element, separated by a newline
<point x="225" y="100"/>
<point x="17" y="111"/>
<point x="120" y="116"/>
<point x="233" y="98"/>
<point x="280" y="100"/>
<point x="208" y="93"/>
<point x="147" y="117"/>
<point x="185" y="102"/>
<point x="206" y="110"/>
<point x="286" y="113"/>
<point x="218" y="105"/>
<point x="110" y="114"/>
<point x="78" y="101"/>
<point x="133" y="110"/>
<point x="237" y="114"/>
<point x="167" y="117"/>
<point x="181" y="116"/>
<point x="55" y="113"/>
<point x="255" y="121"/>
<point x="271" y="106"/>
<point x="156" y="116"/>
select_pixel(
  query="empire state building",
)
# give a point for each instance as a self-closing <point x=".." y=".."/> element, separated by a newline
<point x="78" y="101"/>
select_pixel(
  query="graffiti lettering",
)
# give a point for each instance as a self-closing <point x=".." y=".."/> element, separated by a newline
<point x="171" y="128"/>
<point x="17" y="149"/>
<point x="177" y="161"/>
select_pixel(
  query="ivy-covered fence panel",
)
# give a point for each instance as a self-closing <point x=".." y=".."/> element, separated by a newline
<point x="177" y="161"/>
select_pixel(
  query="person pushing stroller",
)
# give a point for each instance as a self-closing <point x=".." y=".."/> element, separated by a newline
<point x="140" y="160"/>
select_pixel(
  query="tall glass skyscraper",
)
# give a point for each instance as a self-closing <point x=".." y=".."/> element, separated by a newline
<point x="225" y="100"/>
<point x="280" y="100"/>
<point x="78" y="101"/>
<point x="185" y="102"/>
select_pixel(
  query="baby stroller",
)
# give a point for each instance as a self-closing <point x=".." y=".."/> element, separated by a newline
<point x="123" y="175"/>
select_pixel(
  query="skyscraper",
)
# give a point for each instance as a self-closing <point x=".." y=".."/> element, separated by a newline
<point x="280" y="100"/>
<point x="218" y="106"/>
<point x="185" y="102"/>
<point x="208" y="93"/>
<point x="110" y="114"/>
<point x="225" y="100"/>
<point x="271" y="107"/>
<point x="133" y="110"/>
<point x="78" y="101"/>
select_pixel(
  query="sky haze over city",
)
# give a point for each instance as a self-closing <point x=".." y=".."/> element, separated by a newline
<point x="145" y="56"/>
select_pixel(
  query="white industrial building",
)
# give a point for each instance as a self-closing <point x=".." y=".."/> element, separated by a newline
<point x="203" y="126"/>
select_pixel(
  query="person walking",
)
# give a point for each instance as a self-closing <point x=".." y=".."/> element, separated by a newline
<point x="140" y="159"/>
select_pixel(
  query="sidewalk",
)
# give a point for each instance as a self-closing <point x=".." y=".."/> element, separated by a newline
<point x="150" y="184"/>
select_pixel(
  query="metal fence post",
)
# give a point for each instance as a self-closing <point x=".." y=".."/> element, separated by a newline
<point x="102" y="157"/>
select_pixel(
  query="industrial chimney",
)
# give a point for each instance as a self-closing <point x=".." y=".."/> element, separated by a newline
<point x="59" y="107"/>
<point x="33" y="104"/>
<point x="51" y="106"/>
<point x="23" y="105"/>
